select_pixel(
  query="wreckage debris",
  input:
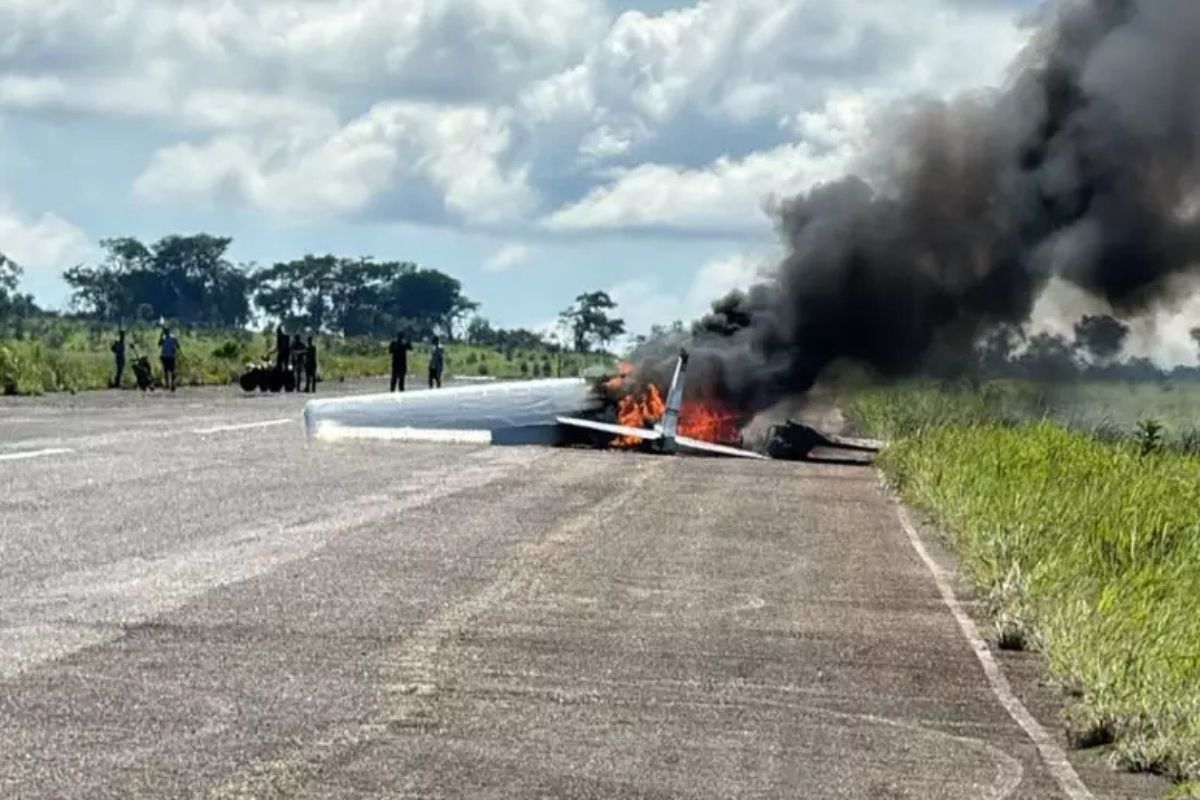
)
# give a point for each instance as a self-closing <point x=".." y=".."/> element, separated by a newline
<point x="795" y="441"/>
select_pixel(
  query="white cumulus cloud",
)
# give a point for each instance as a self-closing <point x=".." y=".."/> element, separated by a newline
<point x="40" y="244"/>
<point x="427" y="161"/>
<point x="509" y="255"/>
<point x="536" y="114"/>
<point x="727" y="195"/>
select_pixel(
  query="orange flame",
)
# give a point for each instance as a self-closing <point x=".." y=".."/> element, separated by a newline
<point x="708" y="421"/>
<point x="640" y="412"/>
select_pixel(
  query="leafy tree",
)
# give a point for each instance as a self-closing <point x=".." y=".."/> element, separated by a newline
<point x="1048" y="357"/>
<point x="361" y="297"/>
<point x="356" y="307"/>
<point x="461" y="308"/>
<point x="203" y="287"/>
<point x="1101" y="337"/>
<point x="13" y="305"/>
<point x="430" y="301"/>
<point x="480" y="332"/>
<point x="998" y="347"/>
<point x="10" y="276"/>
<point x="183" y="278"/>
<point x="590" y="322"/>
<point x="299" y="293"/>
<point x="521" y="339"/>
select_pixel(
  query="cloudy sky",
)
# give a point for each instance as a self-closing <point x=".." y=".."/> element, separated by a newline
<point x="532" y="148"/>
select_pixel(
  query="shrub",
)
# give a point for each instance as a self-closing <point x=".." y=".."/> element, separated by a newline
<point x="1149" y="436"/>
<point x="228" y="351"/>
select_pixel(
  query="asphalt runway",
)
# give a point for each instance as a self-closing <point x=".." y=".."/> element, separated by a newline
<point x="197" y="603"/>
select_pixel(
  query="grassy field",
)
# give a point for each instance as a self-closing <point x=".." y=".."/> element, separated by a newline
<point x="1087" y="547"/>
<point x="1112" y="412"/>
<point x="71" y="358"/>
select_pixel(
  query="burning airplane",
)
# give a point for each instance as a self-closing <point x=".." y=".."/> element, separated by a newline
<point x="553" y="412"/>
<point x="660" y="426"/>
<point x="619" y="411"/>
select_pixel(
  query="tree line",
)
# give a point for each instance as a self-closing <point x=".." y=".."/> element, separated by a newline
<point x="1095" y="349"/>
<point x="192" y="282"/>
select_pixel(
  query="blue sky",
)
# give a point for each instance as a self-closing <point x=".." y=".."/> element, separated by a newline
<point x="534" y="149"/>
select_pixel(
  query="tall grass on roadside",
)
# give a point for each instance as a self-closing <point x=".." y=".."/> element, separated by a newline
<point x="60" y="356"/>
<point x="34" y="368"/>
<point x="1089" y="552"/>
<point x="1168" y="419"/>
<point x="891" y="413"/>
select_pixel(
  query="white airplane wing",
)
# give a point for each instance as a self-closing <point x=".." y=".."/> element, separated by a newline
<point x="615" y="430"/>
<point x="708" y="448"/>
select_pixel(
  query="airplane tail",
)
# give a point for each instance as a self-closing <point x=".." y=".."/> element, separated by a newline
<point x="670" y="421"/>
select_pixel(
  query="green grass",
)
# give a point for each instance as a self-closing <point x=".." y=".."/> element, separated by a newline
<point x="61" y="356"/>
<point x="1088" y="551"/>
<point x="1109" y="411"/>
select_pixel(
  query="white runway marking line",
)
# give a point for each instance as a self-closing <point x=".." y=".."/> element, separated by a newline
<point x="249" y="426"/>
<point x="57" y="451"/>
<point x="1053" y="756"/>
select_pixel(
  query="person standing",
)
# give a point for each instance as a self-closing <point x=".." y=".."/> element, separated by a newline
<point x="283" y="350"/>
<point x="399" y="349"/>
<point x="310" y="367"/>
<point x="437" y="364"/>
<point x="118" y="349"/>
<point x="298" y="361"/>
<point x="168" y="347"/>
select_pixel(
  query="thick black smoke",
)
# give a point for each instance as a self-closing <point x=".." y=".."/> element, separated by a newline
<point x="1085" y="166"/>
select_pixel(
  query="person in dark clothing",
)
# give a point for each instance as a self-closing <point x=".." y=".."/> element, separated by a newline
<point x="437" y="364"/>
<point x="283" y="350"/>
<point x="399" y="349"/>
<point x="169" y="350"/>
<point x="310" y="367"/>
<point x="298" y="361"/>
<point x="118" y="349"/>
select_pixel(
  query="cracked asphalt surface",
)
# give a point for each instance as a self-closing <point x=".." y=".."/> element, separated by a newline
<point x="195" y="602"/>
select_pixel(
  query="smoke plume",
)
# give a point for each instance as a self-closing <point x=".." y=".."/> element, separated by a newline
<point x="1083" y="167"/>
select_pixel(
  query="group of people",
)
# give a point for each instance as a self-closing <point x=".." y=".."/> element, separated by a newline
<point x="400" y="348"/>
<point x="298" y="356"/>
<point x="168" y="349"/>
<point x="291" y="354"/>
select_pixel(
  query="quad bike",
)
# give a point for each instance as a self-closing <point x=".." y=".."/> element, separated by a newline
<point x="267" y="376"/>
